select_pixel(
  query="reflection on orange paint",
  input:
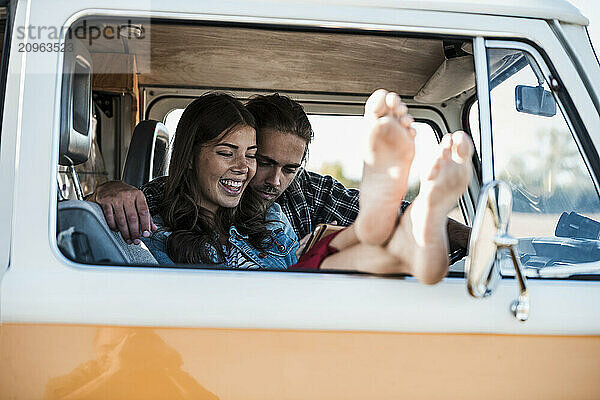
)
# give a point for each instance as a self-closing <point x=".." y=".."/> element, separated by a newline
<point x="129" y="364"/>
<point x="40" y="361"/>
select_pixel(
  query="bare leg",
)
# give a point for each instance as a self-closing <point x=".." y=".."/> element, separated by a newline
<point x="421" y="240"/>
<point x="387" y="165"/>
<point x="344" y="239"/>
<point x="357" y="256"/>
<point x="365" y="258"/>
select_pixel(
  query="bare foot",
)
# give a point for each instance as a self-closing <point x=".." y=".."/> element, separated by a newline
<point x="387" y="164"/>
<point x="421" y="240"/>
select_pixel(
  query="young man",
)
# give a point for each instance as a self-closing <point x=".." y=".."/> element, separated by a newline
<point x="283" y="135"/>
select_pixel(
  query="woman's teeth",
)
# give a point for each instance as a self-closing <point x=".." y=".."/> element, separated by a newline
<point x="231" y="185"/>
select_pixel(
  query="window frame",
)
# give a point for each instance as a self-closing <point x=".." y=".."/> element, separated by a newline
<point x="572" y="119"/>
<point x="4" y="60"/>
<point x="6" y="47"/>
<point x="566" y="105"/>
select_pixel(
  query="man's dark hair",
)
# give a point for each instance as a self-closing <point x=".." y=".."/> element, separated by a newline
<point x="282" y="114"/>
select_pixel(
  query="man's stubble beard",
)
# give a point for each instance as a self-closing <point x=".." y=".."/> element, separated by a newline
<point x="267" y="203"/>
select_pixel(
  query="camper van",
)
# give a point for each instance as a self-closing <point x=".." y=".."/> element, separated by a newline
<point x="92" y="91"/>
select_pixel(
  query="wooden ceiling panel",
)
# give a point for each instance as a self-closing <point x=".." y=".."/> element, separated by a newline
<point x="188" y="55"/>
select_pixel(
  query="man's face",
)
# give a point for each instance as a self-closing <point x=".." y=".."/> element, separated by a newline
<point x="278" y="159"/>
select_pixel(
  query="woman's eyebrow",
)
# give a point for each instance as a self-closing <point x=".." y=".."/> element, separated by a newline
<point x="235" y="147"/>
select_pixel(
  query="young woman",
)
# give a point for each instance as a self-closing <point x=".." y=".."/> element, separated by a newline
<point x="206" y="215"/>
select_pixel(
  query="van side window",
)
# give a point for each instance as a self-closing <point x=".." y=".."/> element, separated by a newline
<point x="137" y="98"/>
<point x="556" y="211"/>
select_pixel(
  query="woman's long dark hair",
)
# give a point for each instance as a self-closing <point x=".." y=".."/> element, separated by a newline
<point x="197" y="234"/>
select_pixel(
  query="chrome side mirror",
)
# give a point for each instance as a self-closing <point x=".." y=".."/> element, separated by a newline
<point x="489" y="242"/>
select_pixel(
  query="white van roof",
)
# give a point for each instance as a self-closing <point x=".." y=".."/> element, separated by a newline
<point x="543" y="9"/>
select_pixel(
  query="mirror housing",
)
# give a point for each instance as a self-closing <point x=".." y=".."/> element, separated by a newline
<point x="535" y="100"/>
<point x="489" y="242"/>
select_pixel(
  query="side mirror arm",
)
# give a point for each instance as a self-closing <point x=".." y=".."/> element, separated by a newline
<point x="520" y="306"/>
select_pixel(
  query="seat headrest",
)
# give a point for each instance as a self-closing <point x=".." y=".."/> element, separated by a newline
<point x="147" y="154"/>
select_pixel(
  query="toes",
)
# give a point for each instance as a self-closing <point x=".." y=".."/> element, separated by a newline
<point x="463" y="148"/>
<point x="413" y="132"/>
<point x="392" y="100"/>
<point x="406" y="121"/>
<point x="376" y="104"/>
<point x="446" y="147"/>
<point x="395" y="105"/>
<point x="383" y="103"/>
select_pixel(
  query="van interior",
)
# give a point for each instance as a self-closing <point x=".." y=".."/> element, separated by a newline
<point x="123" y="91"/>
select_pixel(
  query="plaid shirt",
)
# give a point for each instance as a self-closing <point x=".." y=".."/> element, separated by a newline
<point x="311" y="199"/>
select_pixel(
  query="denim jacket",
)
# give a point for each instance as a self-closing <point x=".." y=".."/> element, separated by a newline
<point x="279" y="255"/>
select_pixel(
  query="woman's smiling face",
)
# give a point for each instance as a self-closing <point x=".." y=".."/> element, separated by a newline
<point x="224" y="168"/>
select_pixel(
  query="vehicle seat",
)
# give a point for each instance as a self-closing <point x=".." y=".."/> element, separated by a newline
<point x="85" y="237"/>
<point x="147" y="154"/>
